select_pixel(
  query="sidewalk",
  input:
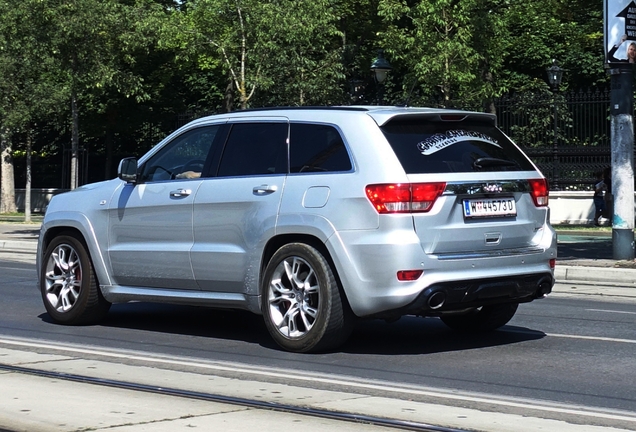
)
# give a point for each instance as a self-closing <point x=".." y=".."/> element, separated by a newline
<point x="36" y="403"/>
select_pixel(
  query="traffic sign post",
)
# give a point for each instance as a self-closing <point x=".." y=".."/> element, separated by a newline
<point x="620" y="57"/>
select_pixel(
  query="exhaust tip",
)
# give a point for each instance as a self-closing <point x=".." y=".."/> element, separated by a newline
<point x="436" y="300"/>
<point x="544" y="289"/>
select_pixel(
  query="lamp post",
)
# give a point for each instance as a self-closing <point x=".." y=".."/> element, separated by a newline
<point x="380" y="68"/>
<point x="555" y="74"/>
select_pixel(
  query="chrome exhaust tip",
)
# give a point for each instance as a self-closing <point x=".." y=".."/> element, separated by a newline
<point x="436" y="300"/>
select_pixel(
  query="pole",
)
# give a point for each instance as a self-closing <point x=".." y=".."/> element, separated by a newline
<point x="555" y="149"/>
<point x="622" y="142"/>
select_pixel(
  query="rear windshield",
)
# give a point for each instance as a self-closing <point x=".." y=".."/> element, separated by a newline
<point x="424" y="146"/>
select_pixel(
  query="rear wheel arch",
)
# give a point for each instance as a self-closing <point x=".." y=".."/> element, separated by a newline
<point x="333" y="315"/>
<point x="277" y="242"/>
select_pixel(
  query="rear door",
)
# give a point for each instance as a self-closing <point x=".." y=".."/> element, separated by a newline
<point x="235" y="211"/>
<point x="488" y="202"/>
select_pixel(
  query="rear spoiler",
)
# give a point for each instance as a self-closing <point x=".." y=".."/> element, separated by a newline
<point x="382" y="117"/>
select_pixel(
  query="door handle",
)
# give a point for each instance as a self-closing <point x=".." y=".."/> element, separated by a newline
<point x="264" y="189"/>
<point x="180" y="193"/>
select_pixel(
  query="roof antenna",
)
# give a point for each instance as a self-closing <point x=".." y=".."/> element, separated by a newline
<point x="408" y="97"/>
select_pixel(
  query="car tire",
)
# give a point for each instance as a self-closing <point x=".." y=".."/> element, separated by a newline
<point x="485" y="318"/>
<point x="69" y="287"/>
<point x="302" y="304"/>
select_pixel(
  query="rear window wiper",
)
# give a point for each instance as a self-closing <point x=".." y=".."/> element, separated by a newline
<point x="485" y="162"/>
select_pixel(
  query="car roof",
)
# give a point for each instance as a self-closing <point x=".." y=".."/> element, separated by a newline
<point x="381" y="114"/>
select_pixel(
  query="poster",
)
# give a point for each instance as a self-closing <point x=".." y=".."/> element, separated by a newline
<point x="620" y="31"/>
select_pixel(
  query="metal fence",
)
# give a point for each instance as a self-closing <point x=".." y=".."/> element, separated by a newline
<point x="567" y="135"/>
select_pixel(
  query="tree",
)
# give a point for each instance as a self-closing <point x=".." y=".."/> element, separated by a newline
<point x="27" y="92"/>
<point x="94" y="44"/>
<point x="305" y="50"/>
<point x="7" y="194"/>
<point x="289" y="48"/>
<point x="435" y="40"/>
<point x="542" y="30"/>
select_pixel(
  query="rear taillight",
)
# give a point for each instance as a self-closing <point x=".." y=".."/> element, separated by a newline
<point x="540" y="191"/>
<point x="404" y="197"/>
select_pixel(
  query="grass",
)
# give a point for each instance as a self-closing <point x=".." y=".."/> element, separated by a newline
<point x="590" y="228"/>
<point x="19" y="217"/>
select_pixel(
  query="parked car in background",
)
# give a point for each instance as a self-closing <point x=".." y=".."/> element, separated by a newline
<point x="312" y="217"/>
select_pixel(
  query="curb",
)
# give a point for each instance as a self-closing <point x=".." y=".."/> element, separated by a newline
<point x="595" y="274"/>
<point x="18" y="246"/>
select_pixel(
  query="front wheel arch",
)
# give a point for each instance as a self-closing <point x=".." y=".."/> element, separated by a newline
<point x="68" y="284"/>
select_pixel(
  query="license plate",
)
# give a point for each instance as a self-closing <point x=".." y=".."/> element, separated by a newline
<point x="489" y="207"/>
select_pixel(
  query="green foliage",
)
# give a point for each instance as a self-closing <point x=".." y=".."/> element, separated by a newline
<point x="135" y="64"/>
<point x="279" y="52"/>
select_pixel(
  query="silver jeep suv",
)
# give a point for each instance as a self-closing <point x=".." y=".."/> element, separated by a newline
<point x="312" y="217"/>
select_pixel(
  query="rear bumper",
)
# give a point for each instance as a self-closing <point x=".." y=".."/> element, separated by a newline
<point x="367" y="263"/>
<point x="460" y="295"/>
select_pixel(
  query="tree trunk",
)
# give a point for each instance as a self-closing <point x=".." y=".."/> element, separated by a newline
<point x="27" y="190"/>
<point x="74" y="141"/>
<point x="229" y="96"/>
<point x="7" y="184"/>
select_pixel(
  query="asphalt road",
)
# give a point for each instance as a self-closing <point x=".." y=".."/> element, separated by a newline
<point x="558" y="350"/>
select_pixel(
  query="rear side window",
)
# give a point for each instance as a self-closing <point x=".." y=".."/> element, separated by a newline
<point x="424" y="146"/>
<point x="317" y="148"/>
<point x="255" y="149"/>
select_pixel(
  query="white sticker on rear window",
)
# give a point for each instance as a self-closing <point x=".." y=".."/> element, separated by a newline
<point x="440" y="141"/>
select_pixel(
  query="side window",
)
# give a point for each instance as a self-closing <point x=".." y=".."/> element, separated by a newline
<point x="317" y="148"/>
<point x="255" y="149"/>
<point x="184" y="157"/>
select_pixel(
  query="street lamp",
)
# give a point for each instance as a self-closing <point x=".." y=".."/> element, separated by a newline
<point x="555" y="74"/>
<point x="380" y="68"/>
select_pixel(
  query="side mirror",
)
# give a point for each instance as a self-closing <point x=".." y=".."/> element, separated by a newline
<point x="127" y="170"/>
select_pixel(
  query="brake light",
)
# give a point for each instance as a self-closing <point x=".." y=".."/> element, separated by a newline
<point x="540" y="191"/>
<point x="452" y="117"/>
<point x="404" y="197"/>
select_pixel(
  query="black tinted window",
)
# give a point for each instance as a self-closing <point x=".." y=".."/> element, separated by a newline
<point x="316" y="148"/>
<point x="183" y="157"/>
<point x="255" y="149"/>
<point x="465" y="146"/>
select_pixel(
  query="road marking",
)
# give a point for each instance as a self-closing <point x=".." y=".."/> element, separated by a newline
<point x="596" y="338"/>
<point x="342" y="380"/>
<point x="611" y="311"/>
<point x="566" y="336"/>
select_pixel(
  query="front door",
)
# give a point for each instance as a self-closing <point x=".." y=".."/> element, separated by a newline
<point x="150" y="223"/>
